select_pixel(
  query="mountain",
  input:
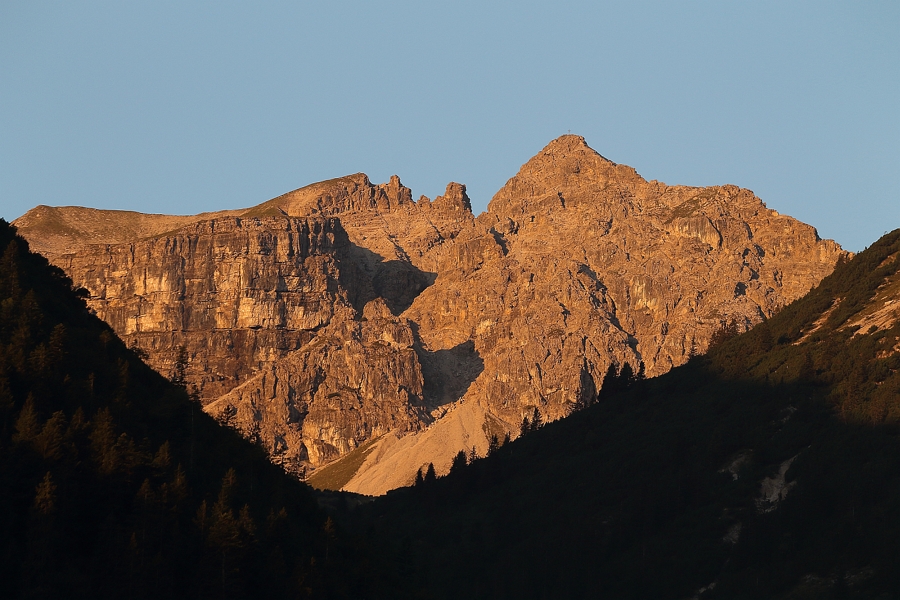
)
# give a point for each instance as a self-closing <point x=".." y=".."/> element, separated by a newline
<point x="345" y="323"/>
<point x="114" y="484"/>
<point x="767" y="468"/>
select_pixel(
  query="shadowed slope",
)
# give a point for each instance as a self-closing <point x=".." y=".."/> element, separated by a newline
<point x="768" y="469"/>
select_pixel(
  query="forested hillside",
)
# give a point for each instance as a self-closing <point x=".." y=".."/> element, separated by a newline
<point x="114" y="484"/>
<point x="769" y="468"/>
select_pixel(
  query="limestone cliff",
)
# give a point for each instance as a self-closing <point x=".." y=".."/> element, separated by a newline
<point x="237" y="293"/>
<point x="344" y="311"/>
<point x="356" y="380"/>
<point x="580" y="261"/>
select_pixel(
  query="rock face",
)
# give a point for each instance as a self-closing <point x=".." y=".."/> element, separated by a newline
<point x="237" y="293"/>
<point x="356" y="380"/>
<point x="345" y="311"/>
<point x="580" y="261"/>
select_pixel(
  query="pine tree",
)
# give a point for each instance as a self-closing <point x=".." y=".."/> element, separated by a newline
<point x="179" y="374"/>
<point x="762" y="336"/>
<point x="642" y="372"/>
<point x="124" y="380"/>
<point x="45" y="495"/>
<point x="493" y="445"/>
<point x="609" y="381"/>
<point x="103" y="442"/>
<point x="525" y="427"/>
<point x="725" y="332"/>
<point x="459" y="461"/>
<point x="6" y="400"/>
<point x="536" y="420"/>
<point x="614" y="382"/>
<point x="163" y="459"/>
<point x="330" y="535"/>
<point x="56" y="350"/>
<point x="225" y="531"/>
<point x="430" y="474"/>
<point x="27" y="424"/>
<point x="49" y="441"/>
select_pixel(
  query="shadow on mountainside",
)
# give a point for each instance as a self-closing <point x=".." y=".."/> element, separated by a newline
<point x="448" y="373"/>
<point x="396" y="281"/>
<point x="659" y="491"/>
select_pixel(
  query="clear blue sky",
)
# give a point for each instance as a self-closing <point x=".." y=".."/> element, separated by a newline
<point x="183" y="107"/>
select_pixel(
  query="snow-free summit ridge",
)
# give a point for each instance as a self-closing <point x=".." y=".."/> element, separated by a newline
<point x="345" y="311"/>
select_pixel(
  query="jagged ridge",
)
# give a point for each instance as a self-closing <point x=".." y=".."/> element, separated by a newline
<point x="578" y="263"/>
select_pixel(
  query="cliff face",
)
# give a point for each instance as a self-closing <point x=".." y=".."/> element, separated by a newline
<point x="344" y="310"/>
<point x="356" y="380"/>
<point x="237" y="293"/>
<point x="579" y="262"/>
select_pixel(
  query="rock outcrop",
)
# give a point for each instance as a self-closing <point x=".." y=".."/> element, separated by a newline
<point x="237" y="293"/>
<point x="356" y="380"/>
<point x="579" y="262"/>
<point x="345" y="311"/>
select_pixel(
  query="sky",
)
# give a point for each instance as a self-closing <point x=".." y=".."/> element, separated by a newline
<point x="185" y="107"/>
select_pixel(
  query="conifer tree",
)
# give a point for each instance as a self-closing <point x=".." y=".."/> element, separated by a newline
<point x="45" y="495"/>
<point x="227" y="534"/>
<point x="459" y="461"/>
<point x="525" y="427"/>
<point x="430" y="474"/>
<point x="641" y="373"/>
<point x="625" y="377"/>
<point x="536" y="420"/>
<point x="49" y="441"/>
<point x="27" y="424"/>
<point x="103" y="442"/>
<point x="608" y="381"/>
<point x="56" y="350"/>
<point x="493" y="445"/>
<point x="179" y="374"/>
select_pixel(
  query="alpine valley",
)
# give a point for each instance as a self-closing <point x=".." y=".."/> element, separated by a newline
<point x="359" y="335"/>
<point x="601" y="387"/>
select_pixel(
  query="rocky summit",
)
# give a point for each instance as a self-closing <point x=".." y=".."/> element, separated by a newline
<point x="345" y="321"/>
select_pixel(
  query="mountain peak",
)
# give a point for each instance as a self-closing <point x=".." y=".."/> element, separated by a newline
<point x="454" y="198"/>
<point x="567" y="142"/>
<point x="579" y="264"/>
<point x="568" y="145"/>
<point x="567" y="166"/>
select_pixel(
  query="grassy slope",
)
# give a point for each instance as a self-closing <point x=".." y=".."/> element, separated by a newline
<point x="337" y="474"/>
